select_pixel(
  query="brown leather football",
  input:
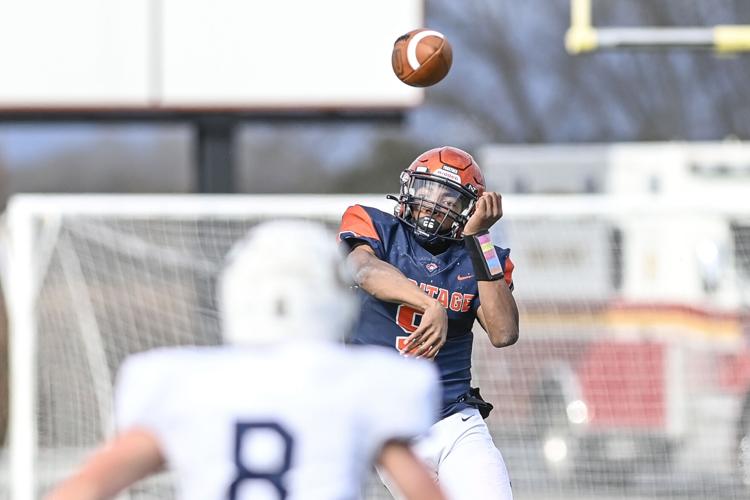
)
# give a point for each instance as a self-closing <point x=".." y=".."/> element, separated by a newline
<point x="421" y="57"/>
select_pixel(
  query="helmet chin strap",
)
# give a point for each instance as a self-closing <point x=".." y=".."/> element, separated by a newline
<point x="424" y="233"/>
<point x="433" y="243"/>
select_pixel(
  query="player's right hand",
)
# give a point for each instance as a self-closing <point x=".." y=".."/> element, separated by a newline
<point x="430" y="335"/>
<point x="489" y="209"/>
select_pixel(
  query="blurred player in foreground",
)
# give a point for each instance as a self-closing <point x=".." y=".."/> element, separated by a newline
<point x="284" y="413"/>
<point x="426" y="274"/>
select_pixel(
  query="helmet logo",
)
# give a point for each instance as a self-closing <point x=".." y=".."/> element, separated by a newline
<point x="472" y="188"/>
<point x="450" y="169"/>
<point x="448" y="175"/>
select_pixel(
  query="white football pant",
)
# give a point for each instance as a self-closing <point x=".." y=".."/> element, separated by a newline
<point x="465" y="462"/>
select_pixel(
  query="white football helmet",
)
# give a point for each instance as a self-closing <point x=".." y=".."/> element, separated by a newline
<point x="286" y="280"/>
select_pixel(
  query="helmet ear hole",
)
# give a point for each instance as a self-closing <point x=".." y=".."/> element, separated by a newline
<point x="280" y="307"/>
<point x="268" y="294"/>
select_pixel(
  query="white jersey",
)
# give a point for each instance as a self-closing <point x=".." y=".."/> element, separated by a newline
<point x="300" y="421"/>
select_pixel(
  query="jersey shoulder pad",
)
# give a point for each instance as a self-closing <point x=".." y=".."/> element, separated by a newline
<point x="357" y="223"/>
<point x="368" y="225"/>
<point x="143" y="382"/>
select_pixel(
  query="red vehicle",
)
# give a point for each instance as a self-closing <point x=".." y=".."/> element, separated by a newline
<point x="634" y="358"/>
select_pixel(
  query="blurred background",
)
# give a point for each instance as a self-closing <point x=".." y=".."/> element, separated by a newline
<point x="624" y="173"/>
<point x="511" y="82"/>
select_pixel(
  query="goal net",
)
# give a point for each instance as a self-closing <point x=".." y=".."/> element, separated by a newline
<point x="630" y="379"/>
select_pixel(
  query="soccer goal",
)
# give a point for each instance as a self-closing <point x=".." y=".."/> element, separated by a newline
<point x="630" y="378"/>
<point x="91" y="279"/>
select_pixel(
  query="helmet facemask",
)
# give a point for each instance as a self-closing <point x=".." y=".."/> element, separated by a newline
<point x="436" y="208"/>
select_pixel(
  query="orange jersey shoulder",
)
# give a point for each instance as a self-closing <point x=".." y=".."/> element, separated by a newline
<point x="358" y="222"/>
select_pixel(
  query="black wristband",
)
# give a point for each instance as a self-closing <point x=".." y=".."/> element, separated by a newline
<point x="484" y="258"/>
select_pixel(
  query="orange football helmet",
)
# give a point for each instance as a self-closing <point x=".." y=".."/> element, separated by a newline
<point x="439" y="191"/>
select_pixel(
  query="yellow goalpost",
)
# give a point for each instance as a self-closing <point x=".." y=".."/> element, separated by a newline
<point x="583" y="36"/>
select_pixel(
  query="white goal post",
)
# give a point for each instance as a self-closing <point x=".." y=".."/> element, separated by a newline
<point x="33" y="234"/>
<point x="628" y="304"/>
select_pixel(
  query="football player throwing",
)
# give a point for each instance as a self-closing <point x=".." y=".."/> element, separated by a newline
<point x="425" y="274"/>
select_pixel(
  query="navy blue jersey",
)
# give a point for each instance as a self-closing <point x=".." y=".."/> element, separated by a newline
<point x="447" y="277"/>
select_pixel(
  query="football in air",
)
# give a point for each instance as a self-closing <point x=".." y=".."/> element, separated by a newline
<point x="421" y="57"/>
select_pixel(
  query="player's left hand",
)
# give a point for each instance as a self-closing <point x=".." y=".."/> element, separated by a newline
<point x="489" y="210"/>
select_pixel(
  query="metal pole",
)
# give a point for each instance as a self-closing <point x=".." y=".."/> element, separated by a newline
<point x="215" y="154"/>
